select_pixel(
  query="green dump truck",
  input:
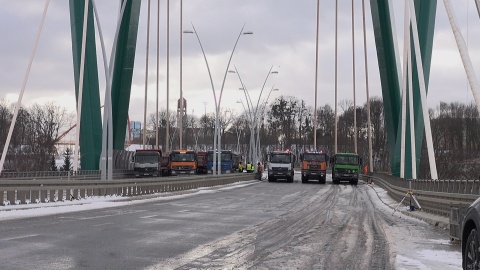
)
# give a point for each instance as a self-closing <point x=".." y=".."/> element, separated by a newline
<point x="345" y="167"/>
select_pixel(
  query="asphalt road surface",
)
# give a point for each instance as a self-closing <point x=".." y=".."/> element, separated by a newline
<point x="260" y="226"/>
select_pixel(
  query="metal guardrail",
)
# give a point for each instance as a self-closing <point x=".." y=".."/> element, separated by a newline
<point x="435" y="196"/>
<point x="48" y="190"/>
<point x="449" y="198"/>
<point x="82" y="174"/>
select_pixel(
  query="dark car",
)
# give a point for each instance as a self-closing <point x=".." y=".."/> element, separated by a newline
<point x="470" y="237"/>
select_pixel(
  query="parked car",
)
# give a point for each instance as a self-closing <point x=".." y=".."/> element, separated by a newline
<point x="470" y="237"/>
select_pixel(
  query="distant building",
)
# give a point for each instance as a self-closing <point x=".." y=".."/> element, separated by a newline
<point x="135" y="129"/>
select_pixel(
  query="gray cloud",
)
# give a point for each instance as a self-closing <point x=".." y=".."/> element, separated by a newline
<point x="284" y="36"/>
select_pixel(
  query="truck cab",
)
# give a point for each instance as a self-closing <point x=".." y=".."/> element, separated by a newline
<point x="147" y="162"/>
<point x="314" y="166"/>
<point x="183" y="162"/>
<point x="280" y="166"/>
<point x="345" y="167"/>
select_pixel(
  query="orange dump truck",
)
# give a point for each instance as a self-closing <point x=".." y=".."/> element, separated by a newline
<point x="183" y="162"/>
<point x="314" y="166"/>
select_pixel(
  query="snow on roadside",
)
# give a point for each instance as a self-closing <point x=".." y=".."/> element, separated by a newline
<point x="413" y="248"/>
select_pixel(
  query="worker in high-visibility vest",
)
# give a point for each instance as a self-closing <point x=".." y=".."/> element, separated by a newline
<point x="240" y="167"/>
<point x="249" y="167"/>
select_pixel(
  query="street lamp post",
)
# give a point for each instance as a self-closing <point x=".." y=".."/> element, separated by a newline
<point x="217" y="132"/>
<point x="181" y="73"/>
<point x="253" y="112"/>
<point x="262" y="114"/>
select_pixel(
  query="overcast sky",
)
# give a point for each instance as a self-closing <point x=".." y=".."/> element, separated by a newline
<point x="284" y="37"/>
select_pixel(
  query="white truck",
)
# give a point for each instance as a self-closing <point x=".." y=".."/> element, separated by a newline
<point x="280" y="166"/>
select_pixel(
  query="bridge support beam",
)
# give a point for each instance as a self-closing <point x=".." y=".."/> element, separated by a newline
<point x="389" y="68"/>
<point x="123" y="71"/>
<point x="91" y="126"/>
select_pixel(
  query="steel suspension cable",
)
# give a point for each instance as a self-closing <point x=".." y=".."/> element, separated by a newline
<point x="158" y="77"/>
<point x="462" y="48"/>
<point x="406" y="46"/>
<point x="24" y="84"/>
<point x="336" y="75"/>
<point x="146" y="77"/>
<point x="353" y="82"/>
<point x="369" y="123"/>
<point x="316" y="80"/>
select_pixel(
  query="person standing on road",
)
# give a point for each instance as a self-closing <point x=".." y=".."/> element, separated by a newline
<point x="259" y="173"/>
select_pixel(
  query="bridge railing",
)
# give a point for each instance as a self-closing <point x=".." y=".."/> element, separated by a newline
<point x="81" y="174"/>
<point x="449" y="198"/>
<point x="53" y="190"/>
<point x="435" y="196"/>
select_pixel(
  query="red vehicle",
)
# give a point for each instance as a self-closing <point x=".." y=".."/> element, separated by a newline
<point x="201" y="162"/>
<point x="165" y="166"/>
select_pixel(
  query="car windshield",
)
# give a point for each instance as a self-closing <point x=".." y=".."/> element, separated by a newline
<point x="280" y="158"/>
<point x="146" y="158"/>
<point x="314" y="157"/>
<point x="347" y="160"/>
<point x="182" y="157"/>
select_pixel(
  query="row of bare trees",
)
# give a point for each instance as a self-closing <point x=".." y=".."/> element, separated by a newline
<point x="288" y="123"/>
<point x="456" y="138"/>
<point x="34" y="139"/>
<point x="285" y="123"/>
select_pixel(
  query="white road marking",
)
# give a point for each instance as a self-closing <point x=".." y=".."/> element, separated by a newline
<point x="19" y="237"/>
<point x="150" y="216"/>
<point x="103" y="224"/>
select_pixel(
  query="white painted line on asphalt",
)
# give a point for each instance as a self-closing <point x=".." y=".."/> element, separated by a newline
<point x="103" y="224"/>
<point x="150" y="216"/>
<point x="19" y="237"/>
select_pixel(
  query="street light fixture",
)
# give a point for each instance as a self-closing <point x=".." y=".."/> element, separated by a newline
<point x="253" y="114"/>
<point x="217" y="143"/>
<point x="262" y="113"/>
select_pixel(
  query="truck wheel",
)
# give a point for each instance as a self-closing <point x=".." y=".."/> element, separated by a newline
<point x="353" y="182"/>
<point x="271" y="179"/>
<point x="304" y="179"/>
<point x="322" y="180"/>
<point x="290" y="179"/>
